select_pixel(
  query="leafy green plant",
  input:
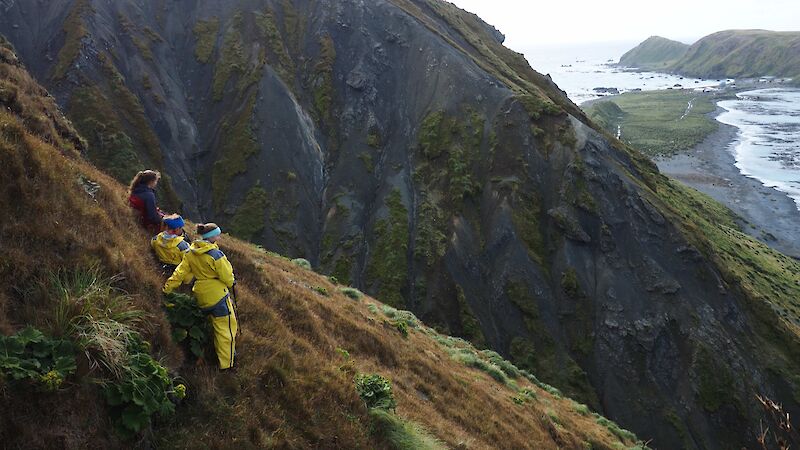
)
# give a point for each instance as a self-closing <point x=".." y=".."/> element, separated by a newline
<point x="321" y="291"/>
<point x="345" y="354"/>
<point x="189" y="324"/>
<point x="375" y="391"/>
<point x="142" y="391"/>
<point x="402" y="327"/>
<point x="29" y="355"/>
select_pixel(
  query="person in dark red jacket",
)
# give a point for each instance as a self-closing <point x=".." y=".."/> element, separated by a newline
<point x="142" y="198"/>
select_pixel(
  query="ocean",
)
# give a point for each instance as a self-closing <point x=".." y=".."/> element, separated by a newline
<point x="768" y="144"/>
<point x="767" y="147"/>
<point x="579" y="69"/>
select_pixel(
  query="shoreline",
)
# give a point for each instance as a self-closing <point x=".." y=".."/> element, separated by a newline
<point x="767" y="214"/>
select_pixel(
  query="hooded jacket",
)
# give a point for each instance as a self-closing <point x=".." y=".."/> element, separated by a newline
<point x="212" y="271"/>
<point x="169" y="248"/>
<point x="148" y="209"/>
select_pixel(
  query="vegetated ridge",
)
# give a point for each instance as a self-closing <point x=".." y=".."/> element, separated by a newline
<point x="654" y="53"/>
<point x="731" y="54"/>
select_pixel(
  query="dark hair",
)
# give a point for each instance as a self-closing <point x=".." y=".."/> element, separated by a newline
<point x="144" y="177"/>
<point x="203" y="228"/>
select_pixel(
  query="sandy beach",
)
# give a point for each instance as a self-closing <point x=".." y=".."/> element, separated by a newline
<point x="767" y="214"/>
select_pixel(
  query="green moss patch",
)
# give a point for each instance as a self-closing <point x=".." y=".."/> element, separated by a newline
<point x="205" y="34"/>
<point x="322" y="82"/>
<point x="74" y="32"/>
<point x="469" y="324"/>
<point x="388" y="262"/>
<point x="237" y="145"/>
<point x="527" y="214"/>
<point x="540" y="354"/>
<point x="278" y="56"/>
<point x="231" y="60"/>
<point x="249" y="220"/>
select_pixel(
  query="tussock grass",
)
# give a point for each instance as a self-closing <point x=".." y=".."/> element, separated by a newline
<point x="99" y="317"/>
<point x="352" y="293"/>
<point x="403" y="435"/>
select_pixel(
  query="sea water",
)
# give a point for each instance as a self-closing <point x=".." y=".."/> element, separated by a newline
<point x="767" y="147"/>
<point x="578" y="69"/>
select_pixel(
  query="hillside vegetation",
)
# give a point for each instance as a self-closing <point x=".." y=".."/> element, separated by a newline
<point x="655" y="53"/>
<point x="728" y="54"/>
<point x="75" y="260"/>
<point x="743" y="54"/>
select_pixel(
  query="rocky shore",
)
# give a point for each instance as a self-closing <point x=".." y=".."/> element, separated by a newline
<point x="767" y="214"/>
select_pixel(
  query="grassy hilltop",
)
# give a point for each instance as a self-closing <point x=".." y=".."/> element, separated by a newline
<point x="655" y="53"/>
<point x="725" y="54"/>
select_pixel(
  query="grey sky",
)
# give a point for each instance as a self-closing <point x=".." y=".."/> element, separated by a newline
<point x="528" y="23"/>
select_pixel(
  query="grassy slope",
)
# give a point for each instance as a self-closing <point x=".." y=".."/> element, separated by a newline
<point x="293" y="387"/>
<point x="654" y="53"/>
<point x="654" y="122"/>
<point x="743" y="53"/>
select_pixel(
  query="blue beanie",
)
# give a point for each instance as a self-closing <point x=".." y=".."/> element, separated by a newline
<point x="174" y="223"/>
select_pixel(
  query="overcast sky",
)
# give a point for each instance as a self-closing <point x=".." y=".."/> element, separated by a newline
<point x="528" y="23"/>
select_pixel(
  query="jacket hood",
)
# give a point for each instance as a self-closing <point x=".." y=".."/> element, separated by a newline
<point x="167" y="240"/>
<point x="201" y="247"/>
<point x="142" y="188"/>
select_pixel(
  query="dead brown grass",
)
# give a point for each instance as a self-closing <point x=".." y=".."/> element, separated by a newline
<point x="293" y="388"/>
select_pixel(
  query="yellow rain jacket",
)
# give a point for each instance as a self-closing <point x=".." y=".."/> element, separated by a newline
<point x="169" y="248"/>
<point x="206" y="263"/>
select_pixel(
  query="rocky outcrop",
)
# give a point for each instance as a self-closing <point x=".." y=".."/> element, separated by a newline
<point x="398" y="146"/>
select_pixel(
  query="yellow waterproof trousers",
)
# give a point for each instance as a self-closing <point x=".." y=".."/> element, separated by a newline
<point x="223" y="321"/>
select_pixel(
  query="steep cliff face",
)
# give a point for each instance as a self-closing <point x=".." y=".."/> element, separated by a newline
<point x="399" y="146"/>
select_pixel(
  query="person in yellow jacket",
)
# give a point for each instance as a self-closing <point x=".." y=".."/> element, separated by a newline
<point x="214" y="281"/>
<point x="170" y="245"/>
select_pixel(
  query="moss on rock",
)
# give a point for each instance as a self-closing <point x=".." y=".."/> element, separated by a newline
<point x="278" y="55"/>
<point x="322" y="83"/>
<point x="205" y="33"/>
<point x="388" y="263"/>
<point x="231" y="60"/>
<point x="249" y="220"/>
<point x="237" y="145"/>
<point x="74" y="32"/>
<point x="469" y="323"/>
